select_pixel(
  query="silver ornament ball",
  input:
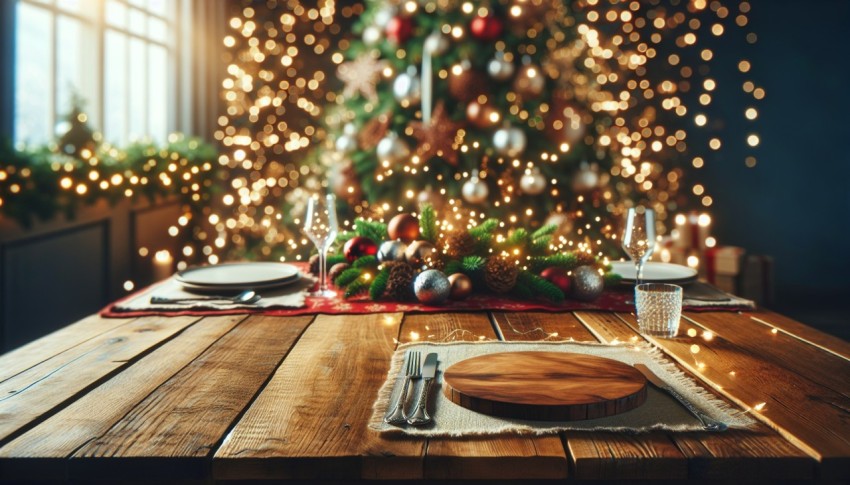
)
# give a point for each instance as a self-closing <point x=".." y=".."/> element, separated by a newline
<point x="475" y="190"/>
<point x="586" y="178"/>
<point x="346" y="143"/>
<point x="532" y="182"/>
<point x="509" y="140"/>
<point x="587" y="283"/>
<point x="391" y="148"/>
<point x="432" y="287"/>
<point x="391" y="251"/>
<point x="407" y="87"/>
<point x="500" y="69"/>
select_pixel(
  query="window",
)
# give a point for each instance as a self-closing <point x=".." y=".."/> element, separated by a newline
<point x="119" y="56"/>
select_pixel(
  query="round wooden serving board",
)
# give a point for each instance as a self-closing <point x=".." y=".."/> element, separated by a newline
<point x="545" y="386"/>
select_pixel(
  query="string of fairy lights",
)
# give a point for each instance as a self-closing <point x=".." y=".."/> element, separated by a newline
<point x="653" y="62"/>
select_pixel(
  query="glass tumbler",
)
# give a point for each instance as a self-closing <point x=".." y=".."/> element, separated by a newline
<point x="659" y="308"/>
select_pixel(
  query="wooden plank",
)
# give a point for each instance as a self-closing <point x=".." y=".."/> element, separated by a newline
<point x="485" y="457"/>
<point x="781" y="349"/>
<point x="172" y="433"/>
<point x="33" y="394"/>
<point x="748" y="381"/>
<point x="802" y="332"/>
<point x="37" y="351"/>
<point x="42" y="452"/>
<point x="310" y="421"/>
<point x="598" y="455"/>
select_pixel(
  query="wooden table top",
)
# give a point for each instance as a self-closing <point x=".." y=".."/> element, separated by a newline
<point x="256" y="397"/>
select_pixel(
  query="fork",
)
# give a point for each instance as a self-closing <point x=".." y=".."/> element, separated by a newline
<point x="398" y="416"/>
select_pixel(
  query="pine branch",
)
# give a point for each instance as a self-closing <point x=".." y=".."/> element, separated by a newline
<point x="484" y="232"/>
<point x="544" y="231"/>
<point x="347" y="277"/>
<point x="540" y="287"/>
<point x="374" y="230"/>
<point x="428" y="223"/>
<point x="379" y="284"/>
<point x="345" y="236"/>
<point x="452" y="267"/>
<point x="612" y="279"/>
<point x="567" y="261"/>
<point x="335" y="259"/>
<point x="356" y="287"/>
<point x="365" y="262"/>
<point x="518" y="237"/>
<point x="472" y="264"/>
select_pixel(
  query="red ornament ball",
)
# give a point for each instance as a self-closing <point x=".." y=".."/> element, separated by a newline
<point x="403" y="227"/>
<point x="399" y="29"/>
<point x="558" y="277"/>
<point x="359" y="246"/>
<point x="487" y="28"/>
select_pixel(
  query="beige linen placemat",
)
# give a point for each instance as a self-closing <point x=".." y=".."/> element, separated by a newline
<point x="659" y="412"/>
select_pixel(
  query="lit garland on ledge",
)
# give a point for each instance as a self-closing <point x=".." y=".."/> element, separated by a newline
<point x="43" y="183"/>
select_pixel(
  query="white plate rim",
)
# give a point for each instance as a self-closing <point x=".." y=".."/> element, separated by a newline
<point x="238" y="287"/>
<point x="181" y="276"/>
<point x="690" y="276"/>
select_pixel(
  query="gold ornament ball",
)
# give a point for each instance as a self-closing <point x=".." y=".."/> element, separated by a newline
<point x="465" y="83"/>
<point x="403" y="227"/>
<point x="461" y="286"/>
<point x="419" y="252"/>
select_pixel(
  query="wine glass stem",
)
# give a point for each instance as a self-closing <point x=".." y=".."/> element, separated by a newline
<point x="639" y="271"/>
<point x="323" y="273"/>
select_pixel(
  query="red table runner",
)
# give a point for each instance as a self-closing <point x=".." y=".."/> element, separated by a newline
<point x="612" y="300"/>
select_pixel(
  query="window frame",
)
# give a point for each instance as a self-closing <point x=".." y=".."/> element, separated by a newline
<point x="96" y="108"/>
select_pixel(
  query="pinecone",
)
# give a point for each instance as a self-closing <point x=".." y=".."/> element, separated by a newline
<point x="459" y="243"/>
<point x="400" y="281"/>
<point x="500" y="274"/>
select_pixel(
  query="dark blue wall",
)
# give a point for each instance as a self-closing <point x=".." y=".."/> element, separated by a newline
<point x="795" y="204"/>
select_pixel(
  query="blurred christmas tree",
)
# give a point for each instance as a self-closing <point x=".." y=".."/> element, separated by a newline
<point x="507" y="108"/>
<point x="533" y="111"/>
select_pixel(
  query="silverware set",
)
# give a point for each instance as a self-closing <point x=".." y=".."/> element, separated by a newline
<point x="247" y="297"/>
<point x="411" y="372"/>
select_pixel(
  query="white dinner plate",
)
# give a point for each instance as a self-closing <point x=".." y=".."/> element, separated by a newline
<point x="216" y="289"/>
<point x="654" y="272"/>
<point x="239" y="275"/>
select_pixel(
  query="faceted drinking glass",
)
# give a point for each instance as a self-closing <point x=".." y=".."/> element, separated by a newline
<point x="321" y="227"/>
<point x="659" y="309"/>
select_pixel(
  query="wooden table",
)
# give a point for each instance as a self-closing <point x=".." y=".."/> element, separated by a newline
<point x="244" y="397"/>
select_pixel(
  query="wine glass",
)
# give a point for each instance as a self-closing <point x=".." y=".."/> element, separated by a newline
<point x="321" y="227"/>
<point x="639" y="238"/>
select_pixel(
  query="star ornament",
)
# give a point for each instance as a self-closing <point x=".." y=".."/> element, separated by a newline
<point x="436" y="138"/>
<point x="361" y="76"/>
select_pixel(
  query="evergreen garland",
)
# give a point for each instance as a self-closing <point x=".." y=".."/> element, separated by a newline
<point x="374" y="230"/>
<point x="539" y="286"/>
<point x="356" y="287"/>
<point x="365" y="262"/>
<point x="347" y="277"/>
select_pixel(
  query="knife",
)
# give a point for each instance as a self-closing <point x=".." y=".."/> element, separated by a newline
<point x="420" y="414"/>
<point x="710" y="424"/>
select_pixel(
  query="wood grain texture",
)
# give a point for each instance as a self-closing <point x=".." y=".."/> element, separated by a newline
<point x="802" y="332"/>
<point x="781" y="349"/>
<point x="37" y="351"/>
<point x="89" y="417"/>
<point x="310" y="419"/>
<point x="177" y="427"/>
<point x="616" y="456"/>
<point x="737" y="375"/>
<point x="546" y="386"/>
<point x="503" y="457"/>
<point x="41" y="389"/>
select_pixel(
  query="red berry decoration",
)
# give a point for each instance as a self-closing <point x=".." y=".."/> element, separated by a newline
<point x="359" y="246"/>
<point x="487" y="28"/>
<point x="399" y="29"/>
<point x="558" y="277"/>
